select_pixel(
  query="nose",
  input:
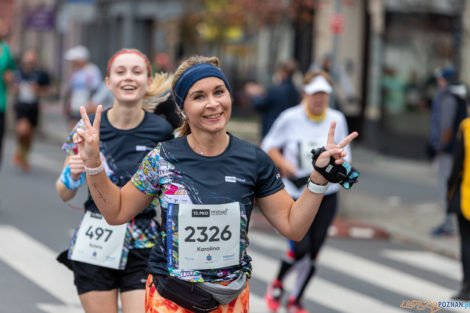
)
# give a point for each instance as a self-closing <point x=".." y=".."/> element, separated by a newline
<point x="212" y="101"/>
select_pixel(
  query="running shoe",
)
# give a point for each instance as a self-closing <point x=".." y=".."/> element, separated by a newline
<point x="274" y="295"/>
<point x="442" y="231"/>
<point x="294" y="306"/>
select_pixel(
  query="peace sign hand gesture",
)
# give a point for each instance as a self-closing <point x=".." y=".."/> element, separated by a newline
<point x="88" y="139"/>
<point x="334" y="150"/>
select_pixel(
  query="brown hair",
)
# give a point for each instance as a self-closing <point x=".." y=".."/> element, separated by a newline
<point x="187" y="63"/>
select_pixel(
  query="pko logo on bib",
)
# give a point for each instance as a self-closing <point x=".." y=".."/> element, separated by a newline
<point x="201" y="213"/>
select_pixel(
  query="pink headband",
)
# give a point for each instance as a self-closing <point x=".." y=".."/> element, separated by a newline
<point x="128" y="51"/>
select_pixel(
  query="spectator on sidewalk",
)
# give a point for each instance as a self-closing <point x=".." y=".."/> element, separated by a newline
<point x="7" y="66"/>
<point x="449" y="108"/>
<point x="82" y="84"/>
<point x="31" y="83"/>
<point x="281" y="95"/>
<point x="293" y="135"/>
<point x="459" y="202"/>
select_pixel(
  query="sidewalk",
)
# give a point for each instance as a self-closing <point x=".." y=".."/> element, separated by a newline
<point x="396" y="198"/>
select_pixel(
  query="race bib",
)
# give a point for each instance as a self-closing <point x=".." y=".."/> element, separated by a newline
<point x="98" y="242"/>
<point x="79" y="98"/>
<point x="26" y="93"/>
<point x="208" y="236"/>
<point x="305" y="154"/>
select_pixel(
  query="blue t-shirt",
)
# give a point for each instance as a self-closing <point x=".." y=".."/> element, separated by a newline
<point x="178" y="175"/>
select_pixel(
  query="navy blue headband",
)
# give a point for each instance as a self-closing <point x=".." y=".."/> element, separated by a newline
<point x="191" y="76"/>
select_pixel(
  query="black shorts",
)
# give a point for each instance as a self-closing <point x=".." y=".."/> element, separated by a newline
<point x="29" y="111"/>
<point x="88" y="277"/>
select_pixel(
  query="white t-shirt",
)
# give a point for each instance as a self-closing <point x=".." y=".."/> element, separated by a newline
<point x="297" y="135"/>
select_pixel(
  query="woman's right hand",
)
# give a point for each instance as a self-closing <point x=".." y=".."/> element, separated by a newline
<point x="88" y="139"/>
<point x="76" y="166"/>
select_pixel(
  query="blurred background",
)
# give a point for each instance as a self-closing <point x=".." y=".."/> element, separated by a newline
<point x="382" y="56"/>
<point x="388" y="49"/>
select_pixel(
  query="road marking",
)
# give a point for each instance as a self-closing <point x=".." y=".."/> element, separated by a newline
<point x="411" y="287"/>
<point x="37" y="263"/>
<point x="321" y="291"/>
<point x="428" y="261"/>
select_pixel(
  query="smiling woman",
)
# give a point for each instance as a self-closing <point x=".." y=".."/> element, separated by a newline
<point x="206" y="182"/>
<point x="108" y="260"/>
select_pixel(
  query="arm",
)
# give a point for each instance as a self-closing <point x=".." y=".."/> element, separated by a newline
<point x="448" y="111"/>
<point x="285" y="168"/>
<point x="76" y="169"/>
<point x="118" y="206"/>
<point x="293" y="219"/>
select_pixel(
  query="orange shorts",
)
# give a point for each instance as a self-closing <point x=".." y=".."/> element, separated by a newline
<point x="155" y="303"/>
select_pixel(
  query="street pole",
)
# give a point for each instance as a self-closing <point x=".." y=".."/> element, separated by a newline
<point x="334" y="55"/>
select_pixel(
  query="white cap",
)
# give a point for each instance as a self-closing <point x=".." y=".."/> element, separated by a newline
<point x="77" y="53"/>
<point x="318" y="84"/>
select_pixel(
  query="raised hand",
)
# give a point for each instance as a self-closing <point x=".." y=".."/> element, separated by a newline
<point x="88" y="139"/>
<point x="334" y="150"/>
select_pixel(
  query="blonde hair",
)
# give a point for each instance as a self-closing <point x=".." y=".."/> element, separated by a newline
<point x="184" y="129"/>
<point x="158" y="92"/>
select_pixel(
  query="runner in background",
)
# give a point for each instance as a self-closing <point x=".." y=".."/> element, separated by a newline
<point x="82" y="84"/>
<point x="293" y="135"/>
<point x="111" y="261"/>
<point x="31" y="83"/>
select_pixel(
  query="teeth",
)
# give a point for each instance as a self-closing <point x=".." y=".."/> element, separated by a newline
<point x="128" y="88"/>
<point x="213" y="116"/>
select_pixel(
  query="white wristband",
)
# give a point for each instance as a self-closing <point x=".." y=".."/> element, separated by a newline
<point x="94" y="171"/>
<point x="312" y="187"/>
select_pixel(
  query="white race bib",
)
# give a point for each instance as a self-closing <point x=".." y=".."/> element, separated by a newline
<point x="208" y="236"/>
<point x="98" y="242"/>
<point x="26" y="93"/>
<point x="79" y="98"/>
<point x="305" y="154"/>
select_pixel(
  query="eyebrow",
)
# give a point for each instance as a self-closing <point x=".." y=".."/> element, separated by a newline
<point x="201" y="91"/>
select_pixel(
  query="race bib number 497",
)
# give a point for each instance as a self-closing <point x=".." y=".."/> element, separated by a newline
<point x="98" y="242"/>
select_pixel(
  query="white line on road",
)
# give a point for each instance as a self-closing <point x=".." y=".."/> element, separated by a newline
<point x="411" y="287"/>
<point x="37" y="263"/>
<point x="428" y="261"/>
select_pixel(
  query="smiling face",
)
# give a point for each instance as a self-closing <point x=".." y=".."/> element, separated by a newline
<point x="128" y="78"/>
<point x="317" y="102"/>
<point x="208" y="106"/>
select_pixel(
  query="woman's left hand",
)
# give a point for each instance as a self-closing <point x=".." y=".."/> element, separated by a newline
<point x="334" y="150"/>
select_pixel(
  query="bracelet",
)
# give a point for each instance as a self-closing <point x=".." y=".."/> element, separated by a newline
<point x="94" y="171"/>
<point x="68" y="181"/>
<point x="315" y="188"/>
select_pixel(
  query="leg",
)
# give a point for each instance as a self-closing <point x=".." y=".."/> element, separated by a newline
<point x="316" y="237"/>
<point x="133" y="301"/>
<point x="24" y="131"/>
<point x="444" y="166"/>
<point x="464" y="232"/>
<point x="100" y="301"/>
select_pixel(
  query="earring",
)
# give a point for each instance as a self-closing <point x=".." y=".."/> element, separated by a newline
<point x="183" y="115"/>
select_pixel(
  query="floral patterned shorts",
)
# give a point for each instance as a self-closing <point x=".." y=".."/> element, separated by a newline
<point x="155" y="303"/>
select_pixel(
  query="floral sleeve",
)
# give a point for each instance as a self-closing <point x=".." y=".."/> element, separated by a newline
<point x="146" y="179"/>
<point x="69" y="146"/>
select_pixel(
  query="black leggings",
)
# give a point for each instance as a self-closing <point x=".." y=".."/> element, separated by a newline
<point x="464" y="230"/>
<point x="310" y="245"/>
